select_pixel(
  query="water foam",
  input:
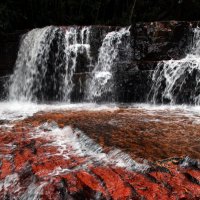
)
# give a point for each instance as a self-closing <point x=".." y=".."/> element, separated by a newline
<point x="20" y="110"/>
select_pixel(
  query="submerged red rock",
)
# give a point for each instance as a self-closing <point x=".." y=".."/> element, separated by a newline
<point x="42" y="157"/>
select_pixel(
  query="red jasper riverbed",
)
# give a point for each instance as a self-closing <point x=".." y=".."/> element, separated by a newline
<point x="110" y="154"/>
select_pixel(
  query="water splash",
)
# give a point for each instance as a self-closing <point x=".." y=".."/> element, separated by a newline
<point x="11" y="111"/>
<point x="178" y="81"/>
<point x="33" y="192"/>
<point x="102" y="82"/>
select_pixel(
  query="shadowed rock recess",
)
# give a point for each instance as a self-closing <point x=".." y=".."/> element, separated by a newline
<point x="70" y="127"/>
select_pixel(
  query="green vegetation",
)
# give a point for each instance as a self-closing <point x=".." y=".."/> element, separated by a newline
<point x="26" y="14"/>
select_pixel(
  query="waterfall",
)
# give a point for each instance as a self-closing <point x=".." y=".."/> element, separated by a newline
<point x="73" y="48"/>
<point x="178" y="81"/>
<point x="46" y="63"/>
<point x="50" y="58"/>
<point x="101" y="83"/>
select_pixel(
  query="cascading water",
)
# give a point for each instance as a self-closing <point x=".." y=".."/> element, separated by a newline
<point x="101" y="83"/>
<point x="47" y="62"/>
<point x="31" y="64"/>
<point x="72" y="49"/>
<point x="178" y="81"/>
<point x="58" y="151"/>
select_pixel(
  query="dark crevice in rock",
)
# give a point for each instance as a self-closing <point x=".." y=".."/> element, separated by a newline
<point x="192" y="179"/>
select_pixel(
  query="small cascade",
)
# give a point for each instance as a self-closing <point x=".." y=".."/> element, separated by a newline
<point x="101" y="84"/>
<point x="72" y="50"/>
<point x="178" y="81"/>
<point x="34" y="51"/>
<point x="46" y="63"/>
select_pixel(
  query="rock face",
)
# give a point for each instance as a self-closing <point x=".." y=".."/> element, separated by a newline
<point x="43" y="158"/>
<point x="159" y="41"/>
<point x="8" y="53"/>
<point x="150" y="43"/>
<point x="9" y="49"/>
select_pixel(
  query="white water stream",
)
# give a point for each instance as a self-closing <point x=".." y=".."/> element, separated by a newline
<point x="178" y="81"/>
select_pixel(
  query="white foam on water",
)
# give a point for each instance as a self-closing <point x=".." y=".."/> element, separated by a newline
<point x="176" y="80"/>
<point x="190" y="109"/>
<point x="10" y="183"/>
<point x="174" y="112"/>
<point x="71" y="142"/>
<point x="188" y="162"/>
<point x="20" y="110"/>
<point x="6" y="127"/>
<point x="11" y="180"/>
<point x="12" y="111"/>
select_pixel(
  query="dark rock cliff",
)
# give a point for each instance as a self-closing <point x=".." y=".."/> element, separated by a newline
<point x="150" y="43"/>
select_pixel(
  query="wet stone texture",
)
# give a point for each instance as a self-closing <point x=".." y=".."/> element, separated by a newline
<point x="48" y="157"/>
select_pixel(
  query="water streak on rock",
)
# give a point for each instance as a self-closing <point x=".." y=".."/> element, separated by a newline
<point x="102" y="82"/>
<point x="46" y="63"/>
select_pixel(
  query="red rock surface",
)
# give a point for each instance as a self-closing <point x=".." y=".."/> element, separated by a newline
<point x="32" y="164"/>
